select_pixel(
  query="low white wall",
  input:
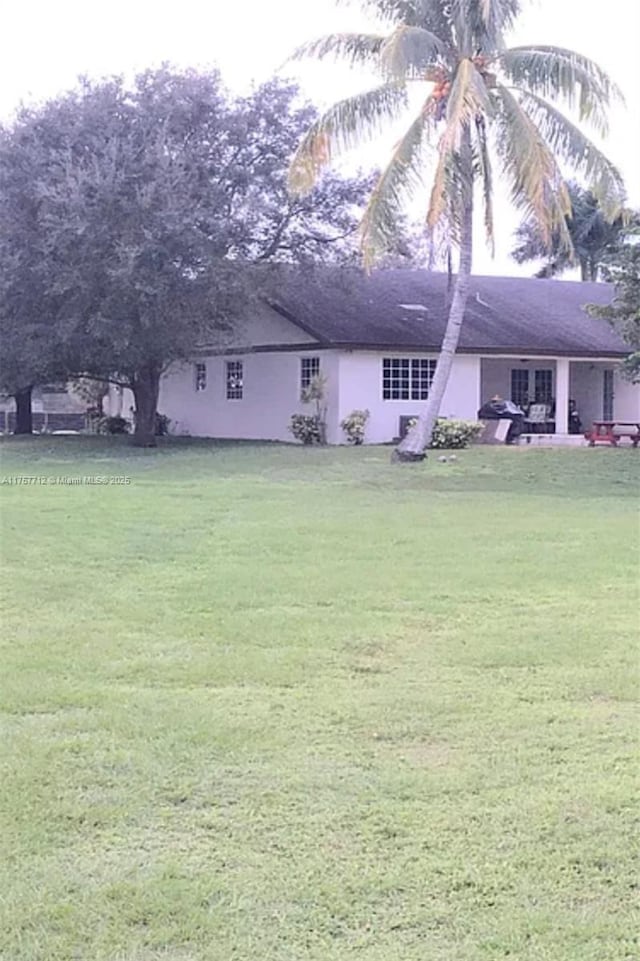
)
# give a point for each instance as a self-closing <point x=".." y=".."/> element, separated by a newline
<point x="271" y="394"/>
<point x="361" y="387"/>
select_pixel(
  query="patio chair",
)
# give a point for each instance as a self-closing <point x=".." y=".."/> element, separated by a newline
<point x="537" y="418"/>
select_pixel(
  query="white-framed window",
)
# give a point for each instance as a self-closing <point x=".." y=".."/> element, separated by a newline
<point x="543" y="386"/>
<point x="407" y="378"/>
<point x="199" y="377"/>
<point x="309" y="368"/>
<point x="235" y="379"/>
<point x="520" y="386"/>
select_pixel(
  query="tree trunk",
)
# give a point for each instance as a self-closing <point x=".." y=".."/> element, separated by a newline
<point x="412" y="447"/>
<point x="24" y="417"/>
<point x="146" y="387"/>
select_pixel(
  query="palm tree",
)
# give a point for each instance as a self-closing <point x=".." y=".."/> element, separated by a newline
<point x="592" y="235"/>
<point x="479" y="100"/>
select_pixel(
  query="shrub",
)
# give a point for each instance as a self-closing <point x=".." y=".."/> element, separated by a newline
<point x="316" y="393"/>
<point x="453" y="434"/>
<point x="354" y="424"/>
<point x="306" y="428"/>
<point x="312" y="428"/>
<point x="162" y="425"/>
<point x="114" y="425"/>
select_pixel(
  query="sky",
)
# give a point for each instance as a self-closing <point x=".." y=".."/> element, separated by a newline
<point x="46" y="44"/>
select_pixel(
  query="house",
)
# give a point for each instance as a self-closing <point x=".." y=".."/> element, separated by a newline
<point x="376" y="339"/>
<point x="54" y="407"/>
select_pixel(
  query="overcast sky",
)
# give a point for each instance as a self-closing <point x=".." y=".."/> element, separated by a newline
<point x="46" y="44"/>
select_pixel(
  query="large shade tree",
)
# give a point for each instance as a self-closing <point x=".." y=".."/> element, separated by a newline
<point x="479" y="101"/>
<point x="29" y="348"/>
<point x="134" y="212"/>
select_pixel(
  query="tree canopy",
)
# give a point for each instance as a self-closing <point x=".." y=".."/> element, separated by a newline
<point x="621" y="267"/>
<point x="134" y="211"/>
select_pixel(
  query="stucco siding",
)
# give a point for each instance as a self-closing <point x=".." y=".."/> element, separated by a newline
<point x="266" y="327"/>
<point x="271" y="394"/>
<point x="361" y="387"/>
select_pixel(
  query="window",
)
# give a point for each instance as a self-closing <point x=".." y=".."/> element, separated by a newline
<point x="200" y="376"/>
<point x="520" y="386"/>
<point x="406" y="378"/>
<point x="234" y="380"/>
<point x="543" y="386"/>
<point x="309" y="368"/>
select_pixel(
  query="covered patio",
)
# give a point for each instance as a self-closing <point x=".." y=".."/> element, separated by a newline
<point x="559" y="395"/>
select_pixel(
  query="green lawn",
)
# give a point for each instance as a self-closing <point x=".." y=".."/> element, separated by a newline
<point x="268" y="703"/>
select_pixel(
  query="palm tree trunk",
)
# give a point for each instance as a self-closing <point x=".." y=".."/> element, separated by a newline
<point x="412" y="448"/>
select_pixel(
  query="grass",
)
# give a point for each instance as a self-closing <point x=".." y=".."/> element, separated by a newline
<point x="264" y="702"/>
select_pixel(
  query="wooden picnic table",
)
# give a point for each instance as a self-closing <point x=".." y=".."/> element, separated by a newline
<point x="610" y="432"/>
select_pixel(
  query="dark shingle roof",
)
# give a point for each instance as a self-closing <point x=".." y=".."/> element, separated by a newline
<point x="504" y="314"/>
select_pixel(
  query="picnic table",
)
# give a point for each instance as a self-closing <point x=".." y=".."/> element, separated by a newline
<point x="610" y="432"/>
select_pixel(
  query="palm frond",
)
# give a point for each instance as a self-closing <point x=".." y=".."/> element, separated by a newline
<point x="468" y="98"/>
<point x="557" y="73"/>
<point x="439" y="199"/>
<point x="567" y="141"/>
<point x="410" y="51"/>
<point x="498" y="15"/>
<point x="401" y="176"/>
<point x="538" y="186"/>
<point x="345" y="125"/>
<point x="480" y="25"/>
<point x="486" y="178"/>
<point x="362" y="49"/>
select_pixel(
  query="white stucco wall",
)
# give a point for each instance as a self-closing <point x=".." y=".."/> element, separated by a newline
<point x="264" y="327"/>
<point x="361" y="387"/>
<point x="271" y="394"/>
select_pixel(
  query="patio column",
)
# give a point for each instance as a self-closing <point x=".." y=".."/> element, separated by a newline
<point x="562" y="395"/>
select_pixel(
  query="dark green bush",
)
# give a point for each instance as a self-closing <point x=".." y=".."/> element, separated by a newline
<point x="453" y="434"/>
<point x="114" y="425"/>
<point x="162" y="425"/>
<point x="306" y="428"/>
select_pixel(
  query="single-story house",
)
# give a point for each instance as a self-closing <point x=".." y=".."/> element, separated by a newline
<point x="376" y="339"/>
